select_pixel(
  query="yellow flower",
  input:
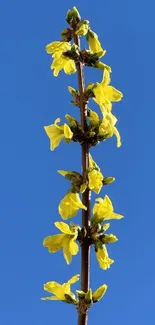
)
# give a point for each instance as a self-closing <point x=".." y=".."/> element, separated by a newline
<point x="65" y="241"/>
<point x="99" y="293"/>
<point x="82" y="28"/>
<point x="95" y="177"/>
<point x="61" y="291"/>
<point x="103" y="258"/>
<point x="95" y="181"/>
<point x="57" y="132"/>
<point x="107" y="128"/>
<point x="105" y="94"/>
<point x="93" y="118"/>
<point x="104" y="210"/>
<point x="57" y="49"/>
<point x="70" y="205"/>
<point x="94" y="44"/>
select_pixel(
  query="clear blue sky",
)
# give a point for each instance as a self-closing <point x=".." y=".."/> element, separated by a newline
<point x="30" y="188"/>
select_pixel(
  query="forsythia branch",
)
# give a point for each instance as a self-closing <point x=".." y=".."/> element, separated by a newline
<point x="88" y="132"/>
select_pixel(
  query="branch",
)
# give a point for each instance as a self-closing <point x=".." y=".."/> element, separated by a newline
<point x="85" y="254"/>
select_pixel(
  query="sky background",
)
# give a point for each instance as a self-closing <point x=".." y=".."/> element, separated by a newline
<point x="31" y="188"/>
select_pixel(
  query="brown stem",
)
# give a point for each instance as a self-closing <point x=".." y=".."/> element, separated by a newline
<point x="85" y="254"/>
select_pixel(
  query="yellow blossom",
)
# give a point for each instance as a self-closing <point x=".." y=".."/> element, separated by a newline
<point x="57" y="132"/>
<point x="104" y="210"/>
<point x="60" y="61"/>
<point x="70" y="205"/>
<point x="95" y="177"/>
<point x="99" y="293"/>
<point x="94" y="43"/>
<point x="82" y="28"/>
<point x="95" y="181"/>
<point x="93" y="118"/>
<point x="65" y="241"/>
<point x="107" y="128"/>
<point x="105" y="94"/>
<point x="103" y="258"/>
<point x="61" y="291"/>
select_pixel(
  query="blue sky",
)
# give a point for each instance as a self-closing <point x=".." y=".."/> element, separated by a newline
<point x="30" y="188"/>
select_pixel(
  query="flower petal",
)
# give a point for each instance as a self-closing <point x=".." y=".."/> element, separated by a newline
<point x="74" y="279"/>
<point x="115" y="131"/>
<point x="73" y="247"/>
<point x="50" y="298"/>
<point x="67" y="132"/>
<point x="106" y="78"/>
<point x="70" y="67"/>
<point x="66" y="250"/>
<point x="103" y="258"/>
<point x="63" y="227"/>
<point x="112" y="94"/>
<point x="54" y="243"/>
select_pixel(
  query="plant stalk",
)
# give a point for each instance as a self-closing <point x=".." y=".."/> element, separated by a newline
<point x="85" y="248"/>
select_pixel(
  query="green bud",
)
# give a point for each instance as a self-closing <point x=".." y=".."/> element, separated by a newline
<point x="93" y="117"/>
<point x="108" y="238"/>
<point x="74" y="103"/>
<point x="80" y="293"/>
<point x="90" y="86"/>
<point x="69" y="16"/>
<point x="105" y="227"/>
<point x="65" y="31"/>
<point x="76" y="14"/>
<point x="66" y="35"/>
<point x="72" y="91"/>
<point x="99" y="293"/>
<point x="90" y="134"/>
<point x="73" y="122"/>
<point x="74" y="177"/>
<point x="70" y="299"/>
<point x="88" y="297"/>
<point x="108" y="180"/>
<point x="96" y="228"/>
<point x="83" y="187"/>
<point x="82" y="28"/>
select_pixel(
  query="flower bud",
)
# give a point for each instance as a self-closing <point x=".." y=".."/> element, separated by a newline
<point x="83" y="187"/>
<point x="80" y="293"/>
<point x="108" y="238"/>
<point x="70" y="299"/>
<point x="76" y="14"/>
<point x="82" y="28"/>
<point x="66" y="35"/>
<point x="88" y="297"/>
<point x="73" y="15"/>
<point x="108" y="180"/>
<point x="93" y="117"/>
<point x="99" y="293"/>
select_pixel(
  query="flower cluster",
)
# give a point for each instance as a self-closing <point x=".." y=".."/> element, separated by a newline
<point x="63" y="292"/>
<point x="67" y="55"/>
